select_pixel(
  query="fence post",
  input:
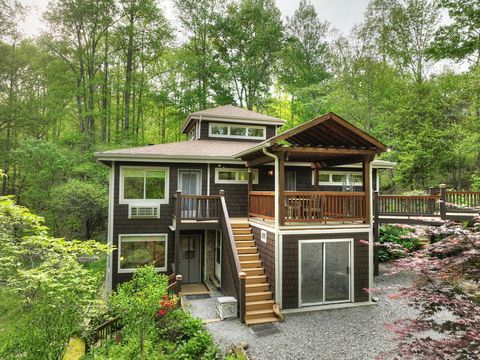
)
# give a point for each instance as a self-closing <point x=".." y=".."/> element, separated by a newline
<point x="178" y="287"/>
<point x="431" y="202"/>
<point x="376" y="231"/>
<point x="443" y="199"/>
<point x="242" y="295"/>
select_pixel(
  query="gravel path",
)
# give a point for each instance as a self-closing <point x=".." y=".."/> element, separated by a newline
<point x="342" y="334"/>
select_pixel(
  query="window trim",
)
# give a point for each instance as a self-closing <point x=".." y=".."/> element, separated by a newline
<point x="132" y="270"/>
<point x="121" y="194"/>
<point x="236" y="181"/>
<point x="228" y="125"/>
<point x="337" y="183"/>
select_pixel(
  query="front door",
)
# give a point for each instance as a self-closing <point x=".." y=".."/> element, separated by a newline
<point x="325" y="275"/>
<point x="190" y="183"/>
<point x="190" y="258"/>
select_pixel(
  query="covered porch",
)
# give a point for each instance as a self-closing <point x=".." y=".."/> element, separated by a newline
<point x="324" y="142"/>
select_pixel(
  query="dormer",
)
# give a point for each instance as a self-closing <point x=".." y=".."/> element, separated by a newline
<point x="230" y="122"/>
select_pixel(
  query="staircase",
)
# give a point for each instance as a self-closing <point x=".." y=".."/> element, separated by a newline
<point x="259" y="299"/>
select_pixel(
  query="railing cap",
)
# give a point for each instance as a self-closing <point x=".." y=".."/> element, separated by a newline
<point x="242" y="275"/>
<point x="442" y="186"/>
<point x="222" y="192"/>
<point x="178" y="277"/>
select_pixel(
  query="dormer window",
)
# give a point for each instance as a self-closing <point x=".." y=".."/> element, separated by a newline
<point x="236" y="131"/>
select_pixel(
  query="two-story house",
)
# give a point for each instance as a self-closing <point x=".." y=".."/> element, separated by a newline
<point x="269" y="217"/>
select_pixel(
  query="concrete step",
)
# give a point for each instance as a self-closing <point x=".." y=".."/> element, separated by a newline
<point x="259" y="305"/>
<point x="268" y="319"/>
<point x="240" y="225"/>
<point x="248" y="257"/>
<point x="259" y="314"/>
<point x="247" y="250"/>
<point x="254" y="271"/>
<point x="245" y="243"/>
<point x="241" y="231"/>
<point x="258" y="296"/>
<point x="241" y="237"/>
<point x="250" y="264"/>
<point x="256" y="279"/>
<point x="257" y="287"/>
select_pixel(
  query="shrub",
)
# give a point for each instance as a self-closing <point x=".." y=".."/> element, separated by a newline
<point x="395" y="242"/>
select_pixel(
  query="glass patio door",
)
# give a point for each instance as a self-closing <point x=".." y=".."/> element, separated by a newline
<point x="190" y="184"/>
<point x="325" y="275"/>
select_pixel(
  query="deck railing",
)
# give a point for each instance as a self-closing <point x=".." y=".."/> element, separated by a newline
<point x="311" y="206"/>
<point x="198" y="207"/>
<point x="462" y="201"/>
<point x="415" y="205"/>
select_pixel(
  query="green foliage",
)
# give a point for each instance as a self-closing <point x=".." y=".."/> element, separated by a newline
<point x="392" y="234"/>
<point x="45" y="274"/>
<point x="78" y="205"/>
<point x="176" y="335"/>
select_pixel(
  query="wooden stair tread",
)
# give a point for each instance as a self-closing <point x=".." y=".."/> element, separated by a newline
<point x="259" y="302"/>
<point x="260" y="312"/>
<point x="264" y="320"/>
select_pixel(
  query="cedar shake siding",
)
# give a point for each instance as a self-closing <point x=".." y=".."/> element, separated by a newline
<point x="204" y="135"/>
<point x="123" y="225"/>
<point x="267" y="254"/>
<point x="290" y="272"/>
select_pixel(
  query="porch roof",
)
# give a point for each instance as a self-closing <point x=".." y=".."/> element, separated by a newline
<point x="328" y="140"/>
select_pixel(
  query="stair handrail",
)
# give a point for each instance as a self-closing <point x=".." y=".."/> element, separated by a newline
<point x="239" y="276"/>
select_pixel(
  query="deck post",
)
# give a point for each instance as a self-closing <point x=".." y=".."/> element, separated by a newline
<point x="443" y="199"/>
<point x="376" y="232"/>
<point x="281" y="187"/>
<point x="431" y="203"/>
<point x="249" y="189"/>
<point x="367" y="188"/>
<point x="242" y="295"/>
<point x="315" y="176"/>
<point x="178" y="221"/>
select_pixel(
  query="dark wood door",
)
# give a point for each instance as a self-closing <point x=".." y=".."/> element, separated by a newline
<point x="190" y="256"/>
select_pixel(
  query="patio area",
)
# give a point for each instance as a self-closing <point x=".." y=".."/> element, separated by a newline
<point x="351" y="333"/>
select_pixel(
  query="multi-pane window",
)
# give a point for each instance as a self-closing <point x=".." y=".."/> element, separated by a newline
<point x="234" y="176"/>
<point x="340" y="178"/>
<point x="144" y="185"/>
<point x="237" y="131"/>
<point x="140" y="250"/>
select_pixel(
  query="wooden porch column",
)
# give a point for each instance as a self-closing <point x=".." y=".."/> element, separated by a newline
<point x="249" y="189"/>
<point x="367" y="188"/>
<point x="315" y="177"/>
<point x="281" y="187"/>
<point x="178" y="221"/>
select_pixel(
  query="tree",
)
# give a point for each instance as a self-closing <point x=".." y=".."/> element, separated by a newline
<point x="249" y="41"/>
<point x="46" y="276"/>
<point x="460" y="39"/>
<point x="137" y="301"/>
<point x="447" y="282"/>
<point x="305" y="59"/>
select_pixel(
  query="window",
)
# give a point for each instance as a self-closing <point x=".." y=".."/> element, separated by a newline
<point x="138" y="250"/>
<point x="143" y="185"/>
<point x="192" y="133"/>
<point x="234" y="176"/>
<point x="237" y="131"/>
<point x="340" y="178"/>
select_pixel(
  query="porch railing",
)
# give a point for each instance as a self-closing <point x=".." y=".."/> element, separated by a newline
<point x="398" y="205"/>
<point x="197" y="207"/>
<point x="462" y="201"/>
<point x="311" y="206"/>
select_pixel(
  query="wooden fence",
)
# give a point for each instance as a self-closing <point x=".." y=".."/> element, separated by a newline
<point x="197" y="207"/>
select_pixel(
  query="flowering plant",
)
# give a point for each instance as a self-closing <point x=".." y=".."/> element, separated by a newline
<point x="167" y="305"/>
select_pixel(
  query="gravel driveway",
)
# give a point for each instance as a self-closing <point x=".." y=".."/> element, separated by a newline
<point x="342" y="334"/>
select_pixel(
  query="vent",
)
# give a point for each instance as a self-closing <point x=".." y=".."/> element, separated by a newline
<point x="143" y="212"/>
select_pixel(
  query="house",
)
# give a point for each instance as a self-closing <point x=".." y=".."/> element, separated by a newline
<point x="269" y="217"/>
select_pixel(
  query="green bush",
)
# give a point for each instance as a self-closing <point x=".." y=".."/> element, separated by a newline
<point x="396" y="242"/>
<point x="147" y="335"/>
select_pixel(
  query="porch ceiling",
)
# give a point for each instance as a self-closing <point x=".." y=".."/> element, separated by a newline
<point x="328" y="140"/>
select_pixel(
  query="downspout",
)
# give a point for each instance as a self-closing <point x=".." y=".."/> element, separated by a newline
<point x="278" y="247"/>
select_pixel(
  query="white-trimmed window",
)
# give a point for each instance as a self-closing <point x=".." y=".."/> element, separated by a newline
<point x="136" y="250"/>
<point x="237" y="131"/>
<point x="140" y="185"/>
<point x="340" y="178"/>
<point x="234" y="176"/>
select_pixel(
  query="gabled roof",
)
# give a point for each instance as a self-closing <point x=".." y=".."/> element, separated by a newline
<point x="232" y="113"/>
<point x="326" y="131"/>
<point x="191" y="149"/>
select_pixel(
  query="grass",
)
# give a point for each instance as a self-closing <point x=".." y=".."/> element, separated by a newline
<point x="10" y="310"/>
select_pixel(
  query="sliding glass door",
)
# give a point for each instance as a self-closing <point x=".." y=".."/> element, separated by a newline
<point x="325" y="271"/>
